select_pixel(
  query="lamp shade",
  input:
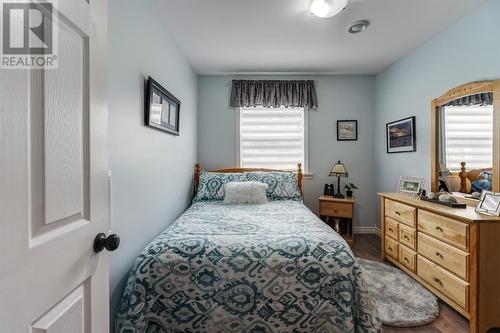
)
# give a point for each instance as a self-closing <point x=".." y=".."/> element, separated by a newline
<point x="339" y="170"/>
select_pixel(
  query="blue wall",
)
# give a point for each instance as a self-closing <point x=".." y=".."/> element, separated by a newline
<point x="339" y="97"/>
<point x="152" y="170"/>
<point x="467" y="51"/>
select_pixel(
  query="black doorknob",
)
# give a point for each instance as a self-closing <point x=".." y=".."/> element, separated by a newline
<point x="109" y="243"/>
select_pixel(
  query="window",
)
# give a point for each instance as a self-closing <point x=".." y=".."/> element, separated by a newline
<point x="272" y="138"/>
<point x="469" y="136"/>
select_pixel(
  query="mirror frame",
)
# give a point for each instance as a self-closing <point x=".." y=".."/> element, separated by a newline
<point x="459" y="92"/>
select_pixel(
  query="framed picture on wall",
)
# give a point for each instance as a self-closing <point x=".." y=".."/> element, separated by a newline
<point x="401" y="136"/>
<point x="162" y="108"/>
<point x="347" y="130"/>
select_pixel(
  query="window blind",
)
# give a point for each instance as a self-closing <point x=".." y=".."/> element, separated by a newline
<point x="469" y="136"/>
<point x="272" y="138"/>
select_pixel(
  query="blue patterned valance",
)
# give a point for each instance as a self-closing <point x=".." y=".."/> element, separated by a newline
<point x="273" y="93"/>
<point x="477" y="99"/>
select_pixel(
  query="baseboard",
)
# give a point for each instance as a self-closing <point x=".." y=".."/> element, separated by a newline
<point x="367" y="230"/>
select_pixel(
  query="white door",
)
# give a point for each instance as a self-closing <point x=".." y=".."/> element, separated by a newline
<point x="53" y="182"/>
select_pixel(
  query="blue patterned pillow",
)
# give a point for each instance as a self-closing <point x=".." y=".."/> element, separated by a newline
<point x="282" y="185"/>
<point x="211" y="185"/>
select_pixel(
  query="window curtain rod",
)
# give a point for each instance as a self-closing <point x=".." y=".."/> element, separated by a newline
<point x="274" y="93"/>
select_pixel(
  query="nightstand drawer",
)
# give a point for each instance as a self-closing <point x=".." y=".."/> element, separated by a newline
<point x="335" y="209"/>
<point x="391" y="228"/>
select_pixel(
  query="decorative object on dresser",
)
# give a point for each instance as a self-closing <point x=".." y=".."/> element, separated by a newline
<point x="347" y="130"/>
<point x="161" y="109"/>
<point x="452" y="252"/>
<point x="489" y="203"/>
<point x="338" y="170"/>
<point x="400" y="300"/>
<point x="445" y="199"/>
<point x="342" y="213"/>
<point x="401" y="136"/>
<point x="410" y="185"/>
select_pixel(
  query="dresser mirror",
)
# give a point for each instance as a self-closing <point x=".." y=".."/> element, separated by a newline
<point x="466" y="139"/>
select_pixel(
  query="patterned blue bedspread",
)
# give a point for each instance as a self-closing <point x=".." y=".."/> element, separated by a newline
<point x="247" y="268"/>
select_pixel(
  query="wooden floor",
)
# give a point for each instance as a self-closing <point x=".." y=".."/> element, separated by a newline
<point x="367" y="246"/>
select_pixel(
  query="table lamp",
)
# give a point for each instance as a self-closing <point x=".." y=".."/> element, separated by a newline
<point x="338" y="171"/>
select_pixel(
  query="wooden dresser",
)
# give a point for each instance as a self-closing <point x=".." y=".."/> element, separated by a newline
<point x="455" y="253"/>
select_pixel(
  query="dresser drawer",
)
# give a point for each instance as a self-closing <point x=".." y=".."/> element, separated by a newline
<point x="454" y="260"/>
<point x="391" y="247"/>
<point x="407" y="236"/>
<point x="449" y="285"/>
<point x="391" y="228"/>
<point x="448" y="230"/>
<point x="407" y="257"/>
<point x="339" y="209"/>
<point x="400" y="212"/>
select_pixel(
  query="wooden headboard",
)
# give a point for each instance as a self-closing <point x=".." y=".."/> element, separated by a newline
<point x="197" y="170"/>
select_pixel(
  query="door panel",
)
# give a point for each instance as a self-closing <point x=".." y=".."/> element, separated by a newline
<point x="65" y="108"/>
<point x="54" y="193"/>
<point x="68" y="316"/>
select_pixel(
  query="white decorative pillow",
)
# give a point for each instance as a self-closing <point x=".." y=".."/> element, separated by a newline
<point x="245" y="193"/>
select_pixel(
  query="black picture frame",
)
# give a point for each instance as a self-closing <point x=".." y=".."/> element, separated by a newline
<point x="342" y="136"/>
<point x="162" y="109"/>
<point x="401" y="136"/>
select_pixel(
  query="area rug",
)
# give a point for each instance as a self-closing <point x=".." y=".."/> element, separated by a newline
<point x="400" y="300"/>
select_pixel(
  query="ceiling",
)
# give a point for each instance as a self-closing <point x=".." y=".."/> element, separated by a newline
<point x="281" y="36"/>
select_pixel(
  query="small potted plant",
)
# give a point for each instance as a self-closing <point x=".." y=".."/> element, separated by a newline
<point x="349" y="188"/>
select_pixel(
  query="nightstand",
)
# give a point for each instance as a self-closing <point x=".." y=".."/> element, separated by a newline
<point x="339" y="215"/>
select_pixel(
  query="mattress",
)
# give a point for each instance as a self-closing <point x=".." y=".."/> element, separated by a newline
<point x="271" y="268"/>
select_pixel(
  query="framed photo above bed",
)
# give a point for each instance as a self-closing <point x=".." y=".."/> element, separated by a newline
<point x="401" y="136"/>
<point x="347" y="130"/>
<point x="162" y="109"/>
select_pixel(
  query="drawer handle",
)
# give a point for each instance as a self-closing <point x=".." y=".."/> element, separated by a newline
<point x="398" y="213"/>
<point x="390" y="248"/>
<point x="406" y="259"/>
<point x="438" y="281"/>
<point x="439" y="254"/>
<point x="390" y="229"/>
<point x="438" y="228"/>
<point x="406" y="237"/>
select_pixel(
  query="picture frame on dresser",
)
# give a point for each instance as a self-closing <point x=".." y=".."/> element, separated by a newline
<point x="489" y="203"/>
<point x="410" y="185"/>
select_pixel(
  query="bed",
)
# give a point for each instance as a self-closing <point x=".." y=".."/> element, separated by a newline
<point x="273" y="267"/>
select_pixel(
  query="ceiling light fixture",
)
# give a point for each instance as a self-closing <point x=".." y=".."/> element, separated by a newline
<point x="327" y="8"/>
<point x="358" y="26"/>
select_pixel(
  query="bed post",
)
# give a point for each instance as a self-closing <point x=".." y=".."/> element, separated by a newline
<point x="463" y="178"/>
<point x="197" y="170"/>
<point x="299" y="176"/>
